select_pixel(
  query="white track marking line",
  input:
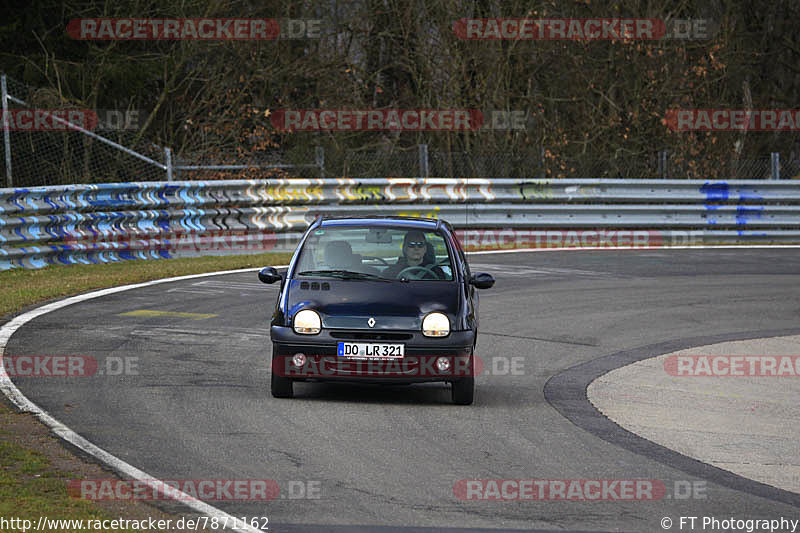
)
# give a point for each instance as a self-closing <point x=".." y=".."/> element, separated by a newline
<point x="23" y="403"/>
<point x="207" y="291"/>
<point x="234" y="285"/>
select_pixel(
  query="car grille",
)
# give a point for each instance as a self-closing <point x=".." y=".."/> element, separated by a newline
<point x="370" y="335"/>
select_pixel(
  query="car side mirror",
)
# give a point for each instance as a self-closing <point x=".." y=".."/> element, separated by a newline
<point x="481" y="280"/>
<point x="269" y="275"/>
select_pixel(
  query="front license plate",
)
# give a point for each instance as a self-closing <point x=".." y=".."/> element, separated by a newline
<point x="369" y="349"/>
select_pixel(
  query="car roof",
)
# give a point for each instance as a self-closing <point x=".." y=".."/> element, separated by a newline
<point x="406" y="222"/>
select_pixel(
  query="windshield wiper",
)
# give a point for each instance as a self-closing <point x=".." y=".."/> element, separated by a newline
<point x="343" y="274"/>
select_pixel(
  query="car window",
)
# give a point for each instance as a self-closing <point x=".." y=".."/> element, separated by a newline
<point x="464" y="263"/>
<point x="376" y="251"/>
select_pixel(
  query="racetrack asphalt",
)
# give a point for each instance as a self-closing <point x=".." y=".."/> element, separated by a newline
<point x="198" y="405"/>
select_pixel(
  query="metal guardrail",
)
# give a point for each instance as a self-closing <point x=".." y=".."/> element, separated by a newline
<point x="111" y="222"/>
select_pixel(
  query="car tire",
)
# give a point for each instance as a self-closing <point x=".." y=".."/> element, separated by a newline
<point x="281" y="387"/>
<point x="463" y="391"/>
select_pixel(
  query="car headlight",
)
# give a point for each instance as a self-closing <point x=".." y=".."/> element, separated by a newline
<point x="307" y="322"/>
<point x="436" y="325"/>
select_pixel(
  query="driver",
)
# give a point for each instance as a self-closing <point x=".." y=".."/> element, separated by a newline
<point x="416" y="252"/>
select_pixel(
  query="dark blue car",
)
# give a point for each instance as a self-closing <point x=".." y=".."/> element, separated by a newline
<point x="387" y="300"/>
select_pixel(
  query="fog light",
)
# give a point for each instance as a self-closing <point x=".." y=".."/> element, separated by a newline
<point x="299" y="360"/>
<point x="443" y="364"/>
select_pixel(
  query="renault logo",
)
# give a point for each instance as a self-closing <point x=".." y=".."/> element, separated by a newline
<point x="371" y="322"/>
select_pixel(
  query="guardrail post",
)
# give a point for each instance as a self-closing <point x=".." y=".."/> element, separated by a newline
<point x="6" y="131"/>
<point x="168" y="162"/>
<point x="424" y="170"/>
<point x="319" y="158"/>
<point x="775" y="165"/>
<point x="542" y="166"/>
<point x="662" y="164"/>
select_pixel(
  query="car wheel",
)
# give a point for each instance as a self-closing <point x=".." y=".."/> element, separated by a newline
<point x="463" y="391"/>
<point x="281" y="387"/>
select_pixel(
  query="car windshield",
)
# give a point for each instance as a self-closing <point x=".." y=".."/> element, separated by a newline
<point x="375" y="253"/>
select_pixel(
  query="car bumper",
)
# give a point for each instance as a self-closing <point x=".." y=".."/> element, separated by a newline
<point x="419" y="363"/>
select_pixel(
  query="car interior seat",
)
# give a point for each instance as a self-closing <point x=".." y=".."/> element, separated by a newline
<point x="430" y="255"/>
<point x="339" y="255"/>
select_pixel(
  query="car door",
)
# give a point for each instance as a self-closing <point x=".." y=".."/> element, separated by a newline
<point x="471" y="298"/>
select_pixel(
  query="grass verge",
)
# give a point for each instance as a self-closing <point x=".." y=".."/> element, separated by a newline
<point x="21" y="288"/>
<point x="35" y="467"/>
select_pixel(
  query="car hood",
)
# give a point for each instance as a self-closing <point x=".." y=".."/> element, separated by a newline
<point x="394" y="305"/>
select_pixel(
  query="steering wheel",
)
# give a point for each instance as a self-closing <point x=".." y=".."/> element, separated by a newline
<point x="425" y="270"/>
<point x="381" y="259"/>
